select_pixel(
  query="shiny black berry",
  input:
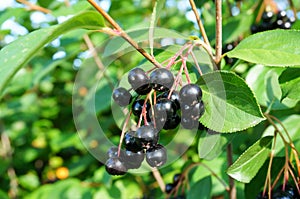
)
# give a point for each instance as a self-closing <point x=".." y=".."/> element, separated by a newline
<point x="174" y="97"/>
<point x="133" y="160"/>
<point x="131" y="142"/>
<point x="292" y="191"/>
<point x="147" y="135"/>
<point x="161" y="79"/>
<point x="137" y="107"/>
<point x="169" y="187"/>
<point x="190" y="94"/>
<point x="122" y="96"/>
<point x="176" y="178"/>
<point x="156" y="156"/>
<point x="115" y="166"/>
<point x="282" y="15"/>
<point x="139" y="81"/>
<point x="113" y="152"/>
<point x="172" y="122"/>
<point x="267" y="16"/>
<point x="166" y="107"/>
<point x="279" y="194"/>
<point x="188" y="122"/>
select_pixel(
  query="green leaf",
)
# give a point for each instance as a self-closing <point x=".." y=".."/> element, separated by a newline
<point x="292" y="125"/>
<point x="230" y="105"/>
<point x="18" y="53"/>
<point x="271" y="48"/>
<point x="201" y="188"/>
<point x="264" y="83"/>
<point x="289" y="81"/>
<point x="248" y="164"/>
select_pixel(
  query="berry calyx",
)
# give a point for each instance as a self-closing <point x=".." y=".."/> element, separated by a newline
<point x="190" y="94"/>
<point x="156" y="156"/>
<point x="121" y="96"/>
<point x="115" y="166"/>
<point x="139" y="81"/>
<point x="161" y="79"/>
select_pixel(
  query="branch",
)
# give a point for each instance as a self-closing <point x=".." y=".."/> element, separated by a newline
<point x="232" y="188"/>
<point x="201" y="27"/>
<point x="123" y="34"/>
<point x="218" y="32"/>
<point x="34" y="7"/>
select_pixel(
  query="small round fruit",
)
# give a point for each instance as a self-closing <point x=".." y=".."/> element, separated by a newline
<point x="147" y="135"/>
<point x="176" y="178"/>
<point x="174" y="97"/>
<point x="131" y="142"/>
<point x="267" y="16"/>
<point x="282" y="15"/>
<point x="113" y="152"/>
<point x="279" y="194"/>
<point x="190" y="94"/>
<point x="169" y="187"/>
<point x="137" y="107"/>
<point x="165" y="107"/>
<point x="292" y="191"/>
<point x="122" y="96"/>
<point x="161" y="79"/>
<point x="156" y="156"/>
<point x="172" y="122"/>
<point x="188" y="123"/>
<point x="114" y="166"/>
<point x="139" y="81"/>
<point x="133" y="160"/>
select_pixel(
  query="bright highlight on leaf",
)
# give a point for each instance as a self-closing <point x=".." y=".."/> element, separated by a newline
<point x="15" y="55"/>
<point x="275" y="48"/>
<point x="248" y="164"/>
<point x="230" y="105"/>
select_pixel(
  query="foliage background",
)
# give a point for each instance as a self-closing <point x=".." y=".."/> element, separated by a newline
<point x="41" y="153"/>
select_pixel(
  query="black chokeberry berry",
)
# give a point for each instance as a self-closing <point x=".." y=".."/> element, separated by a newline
<point x="279" y="194"/>
<point x="131" y="142"/>
<point x="137" y="107"/>
<point x="172" y="122"/>
<point x="122" y="96"/>
<point x="282" y="15"/>
<point x="176" y="178"/>
<point x="161" y="79"/>
<point x="169" y="187"/>
<point x="147" y="135"/>
<point x="190" y="94"/>
<point x="166" y="107"/>
<point x="156" y="156"/>
<point x="267" y="16"/>
<point x="115" y="166"/>
<point x="292" y="191"/>
<point x="174" y="97"/>
<point x="113" y="152"/>
<point x="139" y="81"/>
<point x="188" y="122"/>
<point x="133" y="160"/>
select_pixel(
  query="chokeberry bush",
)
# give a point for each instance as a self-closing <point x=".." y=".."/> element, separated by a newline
<point x="150" y="99"/>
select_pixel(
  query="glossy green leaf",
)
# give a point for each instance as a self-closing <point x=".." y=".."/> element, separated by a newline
<point x="264" y="83"/>
<point x="201" y="188"/>
<point x="249" y="163"/>
<point x="18" y="53"/>
<point x="292" y="125"/>
<point x="271" y="48"/>
<point x="289" y="81"/>
<point x="230" y="105"/>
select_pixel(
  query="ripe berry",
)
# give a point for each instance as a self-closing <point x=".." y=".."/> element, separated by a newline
<point x="161" y="79"/>
<point x="174" y="97"/>
<point x="139" y="81"/>
<point x="172" y="122"/>
<point x="137" y="107"/>
<point x="292" y="191"/>
<point x="133" y="160"/>
<point x="267" y="16"/>
<point x="156" y="156"/>
<point x="188" y="123"/>
<point x="190" y="94"/>
<point x="279" y="194"/>
<point x="122" y="96"/>
<point x="131" y="142"/>
<point x="176" y="178"/>
<point x="113" y="152"/>
<point x="115" y="166"/>
<point x="166" y="107"/>
<point x="169" y="187"/>
<point x="282" y="15"/>
<point x="147" y="135"/>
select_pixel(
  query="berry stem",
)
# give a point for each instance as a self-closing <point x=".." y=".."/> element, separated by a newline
<point x="196" y="63"/>
<point x="232" y="188"/>
<point x="200" y="25"/>
<point x="174" y="57"/>
<point x="218" y="32"/>
<point x="123" y="34"/>
<point x="186" y="72"/>
<point x="159" y="179"/>
<point x="123" y="132"/>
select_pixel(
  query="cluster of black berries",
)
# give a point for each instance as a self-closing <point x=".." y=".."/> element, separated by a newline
<point x="168" y="110"/>
<point x="228" y="47"/>
<point x="289" y="192"/>
<point x="271" y="21"/>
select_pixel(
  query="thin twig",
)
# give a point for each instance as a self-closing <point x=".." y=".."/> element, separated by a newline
<point x="232" y="188"/>
<point x="159" y="179"/>
<point x="98" y="61"/>
<point x="34" y="7"/>
<point x="123" y="34"/>
<point x="200" y="24"/>
<point x="218" y="32"/>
